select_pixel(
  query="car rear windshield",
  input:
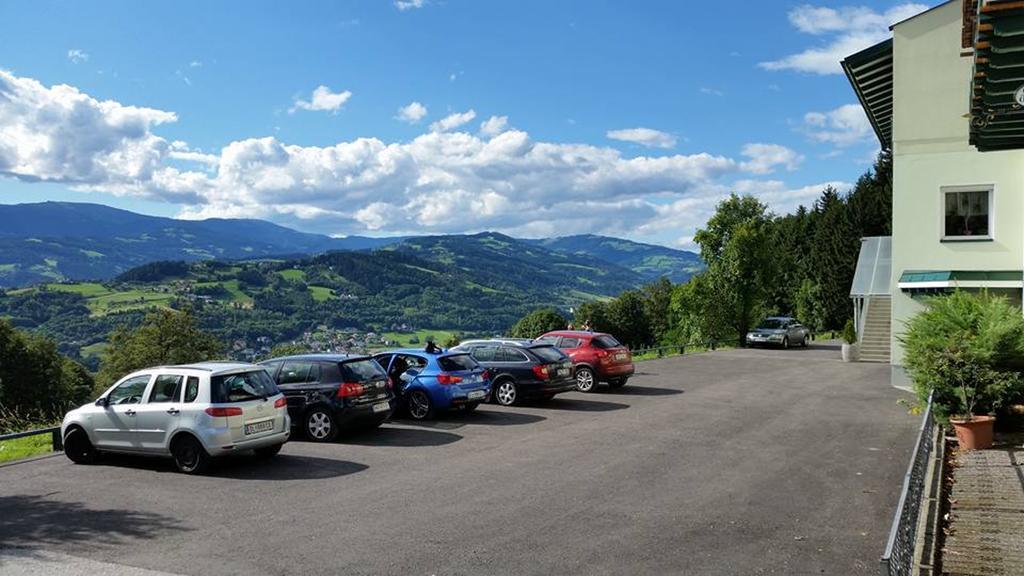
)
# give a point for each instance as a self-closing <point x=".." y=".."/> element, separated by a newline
<point x="773" y="324"/>
<point x="361" y="371"/>
<point x="457" y="363"/>
<point x="548" y="353"/>
<point x="605" y="342"/>
<point x="241" y="386"/>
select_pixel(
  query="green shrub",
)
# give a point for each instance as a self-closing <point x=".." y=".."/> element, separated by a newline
<point x="966" y="348"/>
<point x="849" y="332"/>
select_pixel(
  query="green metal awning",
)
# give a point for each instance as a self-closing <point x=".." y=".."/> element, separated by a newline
<point x="997" y="90"/>
<point x="870" y="73"/>
<point x="941" y="280"/>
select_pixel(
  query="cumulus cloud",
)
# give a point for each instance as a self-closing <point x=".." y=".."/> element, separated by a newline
<point x="404" y="5"/>
<point x="77" y="56"/>
<point x="322" y="100"/>
<point x="412" y="113"/>
<point x="647" y="137"/>
<point x="441" y="181"/>
<point x="765" y="158"/>
<point x="843" y="126"/>
<point x="494" y="125"/>
<point x="453" y="121"/>
<point x="843" y="31"/>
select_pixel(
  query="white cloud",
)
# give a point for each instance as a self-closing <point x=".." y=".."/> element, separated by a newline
<point x="323" y="100"/>
<point x="765" y="158"/>
<point x="647" y="137"/>
<point x="412" y="113"/>
<point x="847" y="30"/>
<point x="843" y="126"/>
<point x="440" y="181"/>
<point x="404" y="5"/>
<point x="195" y="64"/>
<point x="452" y="121"/>
<point x="77" y="56"/>
<point x="711" y="91"/>
<point x="494" y="125"/>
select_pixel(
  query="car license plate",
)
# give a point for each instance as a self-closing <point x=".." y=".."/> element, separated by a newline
<point x="475" y="394"/>
<point x="257" y="427"/>
<point x="563" y="371"/>
<point x="620" y="356"/>
<point x="381" y="407"/>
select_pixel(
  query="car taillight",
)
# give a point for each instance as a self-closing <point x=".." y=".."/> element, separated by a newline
<point x="390" y="384"/>
<point x="486" y="375"/>
<point x="541" y="372"/>
<point x="446" y="378"/>
<point x="350" y="389"/>
<point x="224" y="412"/>
<point x="602" y="353"/>
<point x="280" y="402"/>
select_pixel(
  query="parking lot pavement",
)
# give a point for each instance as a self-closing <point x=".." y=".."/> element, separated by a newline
<point x="732" y="462"/>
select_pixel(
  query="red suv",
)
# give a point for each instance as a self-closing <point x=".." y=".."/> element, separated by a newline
<point x="598" y="357"/>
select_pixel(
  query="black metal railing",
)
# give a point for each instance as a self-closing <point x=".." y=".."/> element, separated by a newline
<point x="55" y="438"/>
<point x="672" y="349"/>
<point x="898" y="559"/>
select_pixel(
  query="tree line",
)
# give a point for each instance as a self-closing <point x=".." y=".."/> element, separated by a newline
<point x="758" y="264"/>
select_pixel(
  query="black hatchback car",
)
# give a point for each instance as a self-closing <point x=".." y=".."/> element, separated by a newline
<point x="522" y="369"/>
<point x="329" y="393"/>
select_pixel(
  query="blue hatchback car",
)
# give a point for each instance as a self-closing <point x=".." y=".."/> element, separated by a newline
<point x="429" y="382"/>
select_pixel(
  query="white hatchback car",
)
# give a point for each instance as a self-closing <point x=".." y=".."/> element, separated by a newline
<point x="190" y="413"/>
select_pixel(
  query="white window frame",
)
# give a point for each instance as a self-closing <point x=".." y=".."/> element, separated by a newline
<point x="944" y="190"/>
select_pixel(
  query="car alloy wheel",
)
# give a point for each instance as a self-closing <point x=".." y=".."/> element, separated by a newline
<point x="585" y="380"/>
<point x="320" y="426"/>
<point x="419" y="405"/>
<point x="506" y="393"/>
<point x="785" y="342"/>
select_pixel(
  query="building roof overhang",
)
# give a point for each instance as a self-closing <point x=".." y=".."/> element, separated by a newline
<point x="870" y="73"/>
<point x="916" y="281"/>
<point x="997" y="85"/>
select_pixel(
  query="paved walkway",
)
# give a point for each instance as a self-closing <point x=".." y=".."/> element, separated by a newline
<point x="986" y="527"/>
<point x="731" y="462"/>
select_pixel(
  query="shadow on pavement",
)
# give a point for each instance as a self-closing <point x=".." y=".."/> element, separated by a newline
<point x="401" y="437"/>
<point x="248" y="467"/>
<point x="38" y="522"/>
<point x="455" y="419"/>
<point x="629" y="390"/>
<point x="580" y="405"/>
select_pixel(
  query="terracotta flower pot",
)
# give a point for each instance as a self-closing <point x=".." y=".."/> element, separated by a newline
<point x="974" y="434"/>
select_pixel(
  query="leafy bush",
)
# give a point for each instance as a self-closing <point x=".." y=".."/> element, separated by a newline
<point x="967" y="348"/>
<point x="538" y="322"/>
<point x="849" y="332"/>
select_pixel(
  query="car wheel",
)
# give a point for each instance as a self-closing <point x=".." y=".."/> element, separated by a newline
<point x="419" y="405"/>
<point x="506" y="393"/>
<point x="618" y="383"/>
<point x="189" y="455"/>
<point x="806" y="342"/>
<point x="320" y="425"/>
<point x="78" y="448"/>
<point x="585" y="381"/>
<point x="268" y="451"/>
<point x="785" y="342"/>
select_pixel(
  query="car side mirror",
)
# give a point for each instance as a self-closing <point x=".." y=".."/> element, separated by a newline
<point x="103" y="401"/>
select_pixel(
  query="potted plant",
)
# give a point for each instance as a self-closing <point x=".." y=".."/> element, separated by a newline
<point x="850" y="351"/>
<point x="965" y="349"/>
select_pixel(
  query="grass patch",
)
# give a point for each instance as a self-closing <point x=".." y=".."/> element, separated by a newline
<point x="87" y="289"/>
<point x="421" y="269"/>
<point x="404" y="338"/>
<point x="322" y="293"/>
<point x="127" y="300"/>
<point x="25" y="447"/>
<point x="292" y="275"/>
<point x="97" y="349"/>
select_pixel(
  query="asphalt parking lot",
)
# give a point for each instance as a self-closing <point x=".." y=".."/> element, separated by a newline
<point x="732" y="462"/>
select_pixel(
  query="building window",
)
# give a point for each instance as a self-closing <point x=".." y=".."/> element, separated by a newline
<point x="967" y="214"/>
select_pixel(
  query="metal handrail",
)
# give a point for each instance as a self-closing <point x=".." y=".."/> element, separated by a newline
<point x="922" y="450"/>
<point x="54" y="432"/>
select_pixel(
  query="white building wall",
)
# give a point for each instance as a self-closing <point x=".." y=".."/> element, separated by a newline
<point x="931" y="91"/>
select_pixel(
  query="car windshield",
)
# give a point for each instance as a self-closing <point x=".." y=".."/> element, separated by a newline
<point x="361" y="371"/>
<point x="548" y="353"/>
<point x="457" y="363"/>
<point x="241" y="387"/>
<point x="773" y="324"/>
<point x="605" y="341"/>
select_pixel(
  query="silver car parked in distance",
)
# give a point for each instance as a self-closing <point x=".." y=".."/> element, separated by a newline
<point x="190" y="413"/>
<point x="779" y="331"/>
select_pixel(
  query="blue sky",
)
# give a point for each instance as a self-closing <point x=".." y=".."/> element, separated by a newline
<point x="421" y="116"/>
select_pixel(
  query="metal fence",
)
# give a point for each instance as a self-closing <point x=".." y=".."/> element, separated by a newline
<point x="55" y="439"/>
<point x="898" y="559"/>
